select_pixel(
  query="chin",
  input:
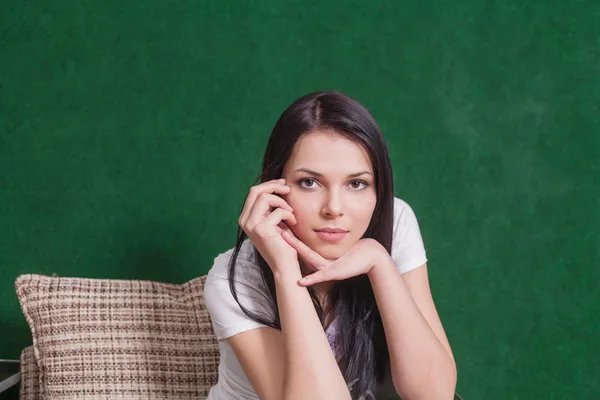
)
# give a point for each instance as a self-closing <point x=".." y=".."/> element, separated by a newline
<point x="330" y="251"/>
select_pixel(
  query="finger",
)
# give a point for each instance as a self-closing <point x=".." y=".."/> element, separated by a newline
<point x="263" y="207"/>
<point x="285" y="228"/>
<point x="275" y="218"/>
<point x="307" y="254"/>
<point x="323" y="275"/>
<point x="276" y="186"/>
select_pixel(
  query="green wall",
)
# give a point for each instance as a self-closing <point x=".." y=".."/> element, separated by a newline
<point x="130" y="134"/>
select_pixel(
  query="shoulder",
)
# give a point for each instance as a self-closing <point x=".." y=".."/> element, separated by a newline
<point x="403" y="212"/>
<point x="226" y="314"/>
<point x="247" y="273"/>
<point x="246" y="259"/>
<point x="408" y="250"/>
<point x="406" y="225"/>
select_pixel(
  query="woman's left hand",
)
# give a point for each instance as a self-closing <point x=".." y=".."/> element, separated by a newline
<point x="360" y="259"/>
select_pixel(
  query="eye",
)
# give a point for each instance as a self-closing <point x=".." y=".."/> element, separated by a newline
<point x="353" y="184"/>
<point x="301" y="181"/>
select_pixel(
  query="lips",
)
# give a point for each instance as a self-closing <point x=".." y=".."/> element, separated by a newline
<point x="331" y="230"/>
<point x="331" y="234"/>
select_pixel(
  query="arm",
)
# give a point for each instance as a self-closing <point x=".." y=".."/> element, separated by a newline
<point x="296" y="363"/>
<point x="422" y="365"/>
<point x="311" y="370"/>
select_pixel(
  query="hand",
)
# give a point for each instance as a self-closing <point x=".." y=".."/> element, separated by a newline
<point x="360" y="259"/>
<point x="262" y="219"/>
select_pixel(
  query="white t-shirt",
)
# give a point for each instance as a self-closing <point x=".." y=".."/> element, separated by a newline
<point x="228" y="319"/>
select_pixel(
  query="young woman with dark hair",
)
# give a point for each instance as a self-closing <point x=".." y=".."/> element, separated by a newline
<point x="326" y="294"/>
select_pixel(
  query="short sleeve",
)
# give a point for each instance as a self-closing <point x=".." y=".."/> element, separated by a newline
<point x="227" y="317"/>
<point x="408" y="250"/>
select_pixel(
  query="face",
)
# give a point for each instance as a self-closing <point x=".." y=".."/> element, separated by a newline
<point x="332" y="186"/>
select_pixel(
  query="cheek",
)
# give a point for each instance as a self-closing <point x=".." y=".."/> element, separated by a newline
<point x="305" y="223"/>
<point x="303" y="218"/>
<point x="303" y="207"/>
<point x="366" y="213"/>
<point x="363" y="214"/>
<point x="300" y="212"/>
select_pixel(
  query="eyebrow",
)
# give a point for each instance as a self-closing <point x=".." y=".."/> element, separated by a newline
<point x="311" y="172"/>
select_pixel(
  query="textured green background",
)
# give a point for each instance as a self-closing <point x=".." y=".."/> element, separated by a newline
<point x="130" y="133"/>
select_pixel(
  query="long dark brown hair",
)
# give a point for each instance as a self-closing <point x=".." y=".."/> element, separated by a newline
<point x="364" y="354"/>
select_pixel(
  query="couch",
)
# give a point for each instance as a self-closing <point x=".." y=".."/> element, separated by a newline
<point x="116" y="339"/>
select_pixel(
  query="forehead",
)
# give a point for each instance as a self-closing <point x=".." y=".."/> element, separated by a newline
<point x="329" y="152"/>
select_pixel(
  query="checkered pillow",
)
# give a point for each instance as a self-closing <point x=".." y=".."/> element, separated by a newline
<point x="119" y="339"/>
<point x="30" y="376"/>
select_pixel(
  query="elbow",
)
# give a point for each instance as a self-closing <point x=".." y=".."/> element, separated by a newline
<point x="325" y="393"/>
<point x="449" y="390"/>
<point x="435" y="385"/>
<point x="302" y="396"/>
<point x="316" y="391"/>
<point x="443" y="386"/>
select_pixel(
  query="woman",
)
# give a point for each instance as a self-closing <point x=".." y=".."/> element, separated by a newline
<point x="329" y="298"/>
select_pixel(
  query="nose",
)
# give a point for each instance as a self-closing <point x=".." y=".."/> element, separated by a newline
<point x="332" y="206"/>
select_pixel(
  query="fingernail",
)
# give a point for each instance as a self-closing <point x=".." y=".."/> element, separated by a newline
<point x="303" y="281"/>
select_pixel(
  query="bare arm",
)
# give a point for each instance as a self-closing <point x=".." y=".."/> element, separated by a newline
<point x="422" y="364"/>
<point x="311" y="370"/>
<point x="296" y="363"/>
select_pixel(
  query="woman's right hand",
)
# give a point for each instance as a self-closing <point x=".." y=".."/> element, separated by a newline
<point x="262" y="219"/>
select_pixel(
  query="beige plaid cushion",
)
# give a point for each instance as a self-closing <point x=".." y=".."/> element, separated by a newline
<point x="30" y="376"/>
<point x="119" y="339"/>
